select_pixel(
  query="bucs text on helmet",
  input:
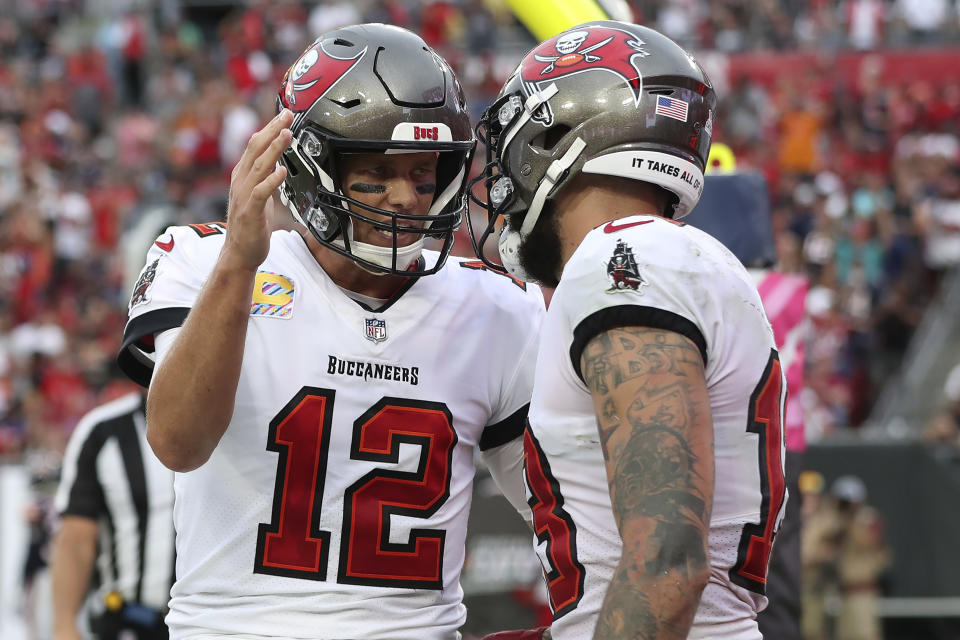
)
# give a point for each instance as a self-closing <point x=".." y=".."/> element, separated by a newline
<point x="374" y="89"/>
<point x="605" y="97"/>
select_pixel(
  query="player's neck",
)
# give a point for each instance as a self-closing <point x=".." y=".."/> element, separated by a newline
<point x="584" y="207"/>
<point x="349" y="275"/>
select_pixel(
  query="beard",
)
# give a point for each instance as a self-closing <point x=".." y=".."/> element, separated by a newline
<point x="540" y="254"/>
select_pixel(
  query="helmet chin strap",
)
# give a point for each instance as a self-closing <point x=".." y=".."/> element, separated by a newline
<point x="510" y="240"/>
<point x="382" y="256"/>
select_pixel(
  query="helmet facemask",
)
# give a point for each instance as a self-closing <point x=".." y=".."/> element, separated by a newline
<point x="329" y="213"/>
<point x="497" y="129"/>
<point x="498" y="186"/>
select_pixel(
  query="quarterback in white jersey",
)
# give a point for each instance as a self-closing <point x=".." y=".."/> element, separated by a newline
<point x="322" y="402"/>
<point x="339" y="493"/>
<point x="654" y="453"/>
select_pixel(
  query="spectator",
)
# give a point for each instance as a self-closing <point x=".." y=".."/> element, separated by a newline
<point x="801" y="124"/>
<point x="816" y="551"/>
<point x="865" y="20"/>
<point x="862" y="558"/>
<point x="844" y="556"/>
<point x="133" y="45"/>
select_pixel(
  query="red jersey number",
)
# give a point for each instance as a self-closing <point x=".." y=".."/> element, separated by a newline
<point x="292" y="544"/>
<point x="368" y="557"/>
<point x="766" y="420"/>
<point x="553" y="526"/>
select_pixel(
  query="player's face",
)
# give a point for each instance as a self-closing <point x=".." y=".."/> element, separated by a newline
<point x="403" y="182"/>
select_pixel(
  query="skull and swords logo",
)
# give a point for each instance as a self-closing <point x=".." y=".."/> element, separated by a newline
<point x="575" y="52"/>
<point x="568" y="46"/>
<point x="300" y="69"/>
<point x="313" y="74"/>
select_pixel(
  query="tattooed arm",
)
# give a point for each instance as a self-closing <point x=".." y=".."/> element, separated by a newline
<point x="653" y="413"/>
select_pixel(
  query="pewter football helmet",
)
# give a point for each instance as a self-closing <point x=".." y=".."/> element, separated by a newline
<point x="604" y="97"/>
<point x="374" y="88"/>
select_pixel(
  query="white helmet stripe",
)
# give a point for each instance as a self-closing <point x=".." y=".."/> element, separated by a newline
<point x="671" y="172"/>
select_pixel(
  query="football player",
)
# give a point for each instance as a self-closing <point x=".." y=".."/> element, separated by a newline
<point x="321" y="401"/>
<point x="654" y="455"/>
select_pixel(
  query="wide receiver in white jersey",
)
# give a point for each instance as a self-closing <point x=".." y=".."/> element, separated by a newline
<point x="322" y="402"/>
<point x="654" y="455"/>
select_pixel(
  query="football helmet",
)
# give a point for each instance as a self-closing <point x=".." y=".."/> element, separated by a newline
<point x="604" y="97"/>
<point x="374" y="88"/>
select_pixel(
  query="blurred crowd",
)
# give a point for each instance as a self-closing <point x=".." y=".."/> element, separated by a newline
<point x="747" y="25"/>
<point x="117" y="118"/>
<point x="865" y="195"/>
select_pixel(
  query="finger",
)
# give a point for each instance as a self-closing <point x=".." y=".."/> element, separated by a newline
<point x="263" y="165"/>
<point x="261" y="139"/>
<point x="267" y="186"/>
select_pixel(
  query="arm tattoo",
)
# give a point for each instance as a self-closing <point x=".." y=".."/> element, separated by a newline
<point x="655" y="429"/>
<point x="609" y="362"/>
<point x="609" y="422"/>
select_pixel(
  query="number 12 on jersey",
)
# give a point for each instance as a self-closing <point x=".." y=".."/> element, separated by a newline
<point x="293" y="545"/>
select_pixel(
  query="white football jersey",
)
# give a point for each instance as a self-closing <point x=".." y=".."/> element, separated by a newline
<point x="650" y="271"/>
<point x="335" y="506"/>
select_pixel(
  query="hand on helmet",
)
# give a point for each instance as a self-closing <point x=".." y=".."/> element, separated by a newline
<point x="253" y="180"/>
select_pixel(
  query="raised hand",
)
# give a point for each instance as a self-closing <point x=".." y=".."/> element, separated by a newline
<point x="255" y="177"/>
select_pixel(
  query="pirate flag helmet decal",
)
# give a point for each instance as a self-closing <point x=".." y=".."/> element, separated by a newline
<point x="605" y="97"/>
<point x="583" y="50"/>
<point x="313" y="74"/>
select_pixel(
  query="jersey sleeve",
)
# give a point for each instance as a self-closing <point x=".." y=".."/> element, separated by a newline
<point x="636" y="275"/>
<point x="176" y="268"/>
<point x="501" y="444"/>
<point x="510" y="416"/>
<point x="506" y="468"/>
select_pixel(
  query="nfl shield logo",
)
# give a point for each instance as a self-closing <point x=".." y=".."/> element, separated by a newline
<point x="376" y="330"/>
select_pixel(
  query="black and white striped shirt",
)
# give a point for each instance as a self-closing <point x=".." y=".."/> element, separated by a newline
<point x="111" y="475"/>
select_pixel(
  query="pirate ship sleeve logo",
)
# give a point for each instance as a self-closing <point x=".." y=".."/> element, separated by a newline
<point x="622" y="270"/>
<point x="592" y="49"/>
<point x="142" y="288"/>
<point x="313" y="74"/>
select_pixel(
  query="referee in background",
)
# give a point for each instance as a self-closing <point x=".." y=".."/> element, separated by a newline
<point x="114" y="549"/>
